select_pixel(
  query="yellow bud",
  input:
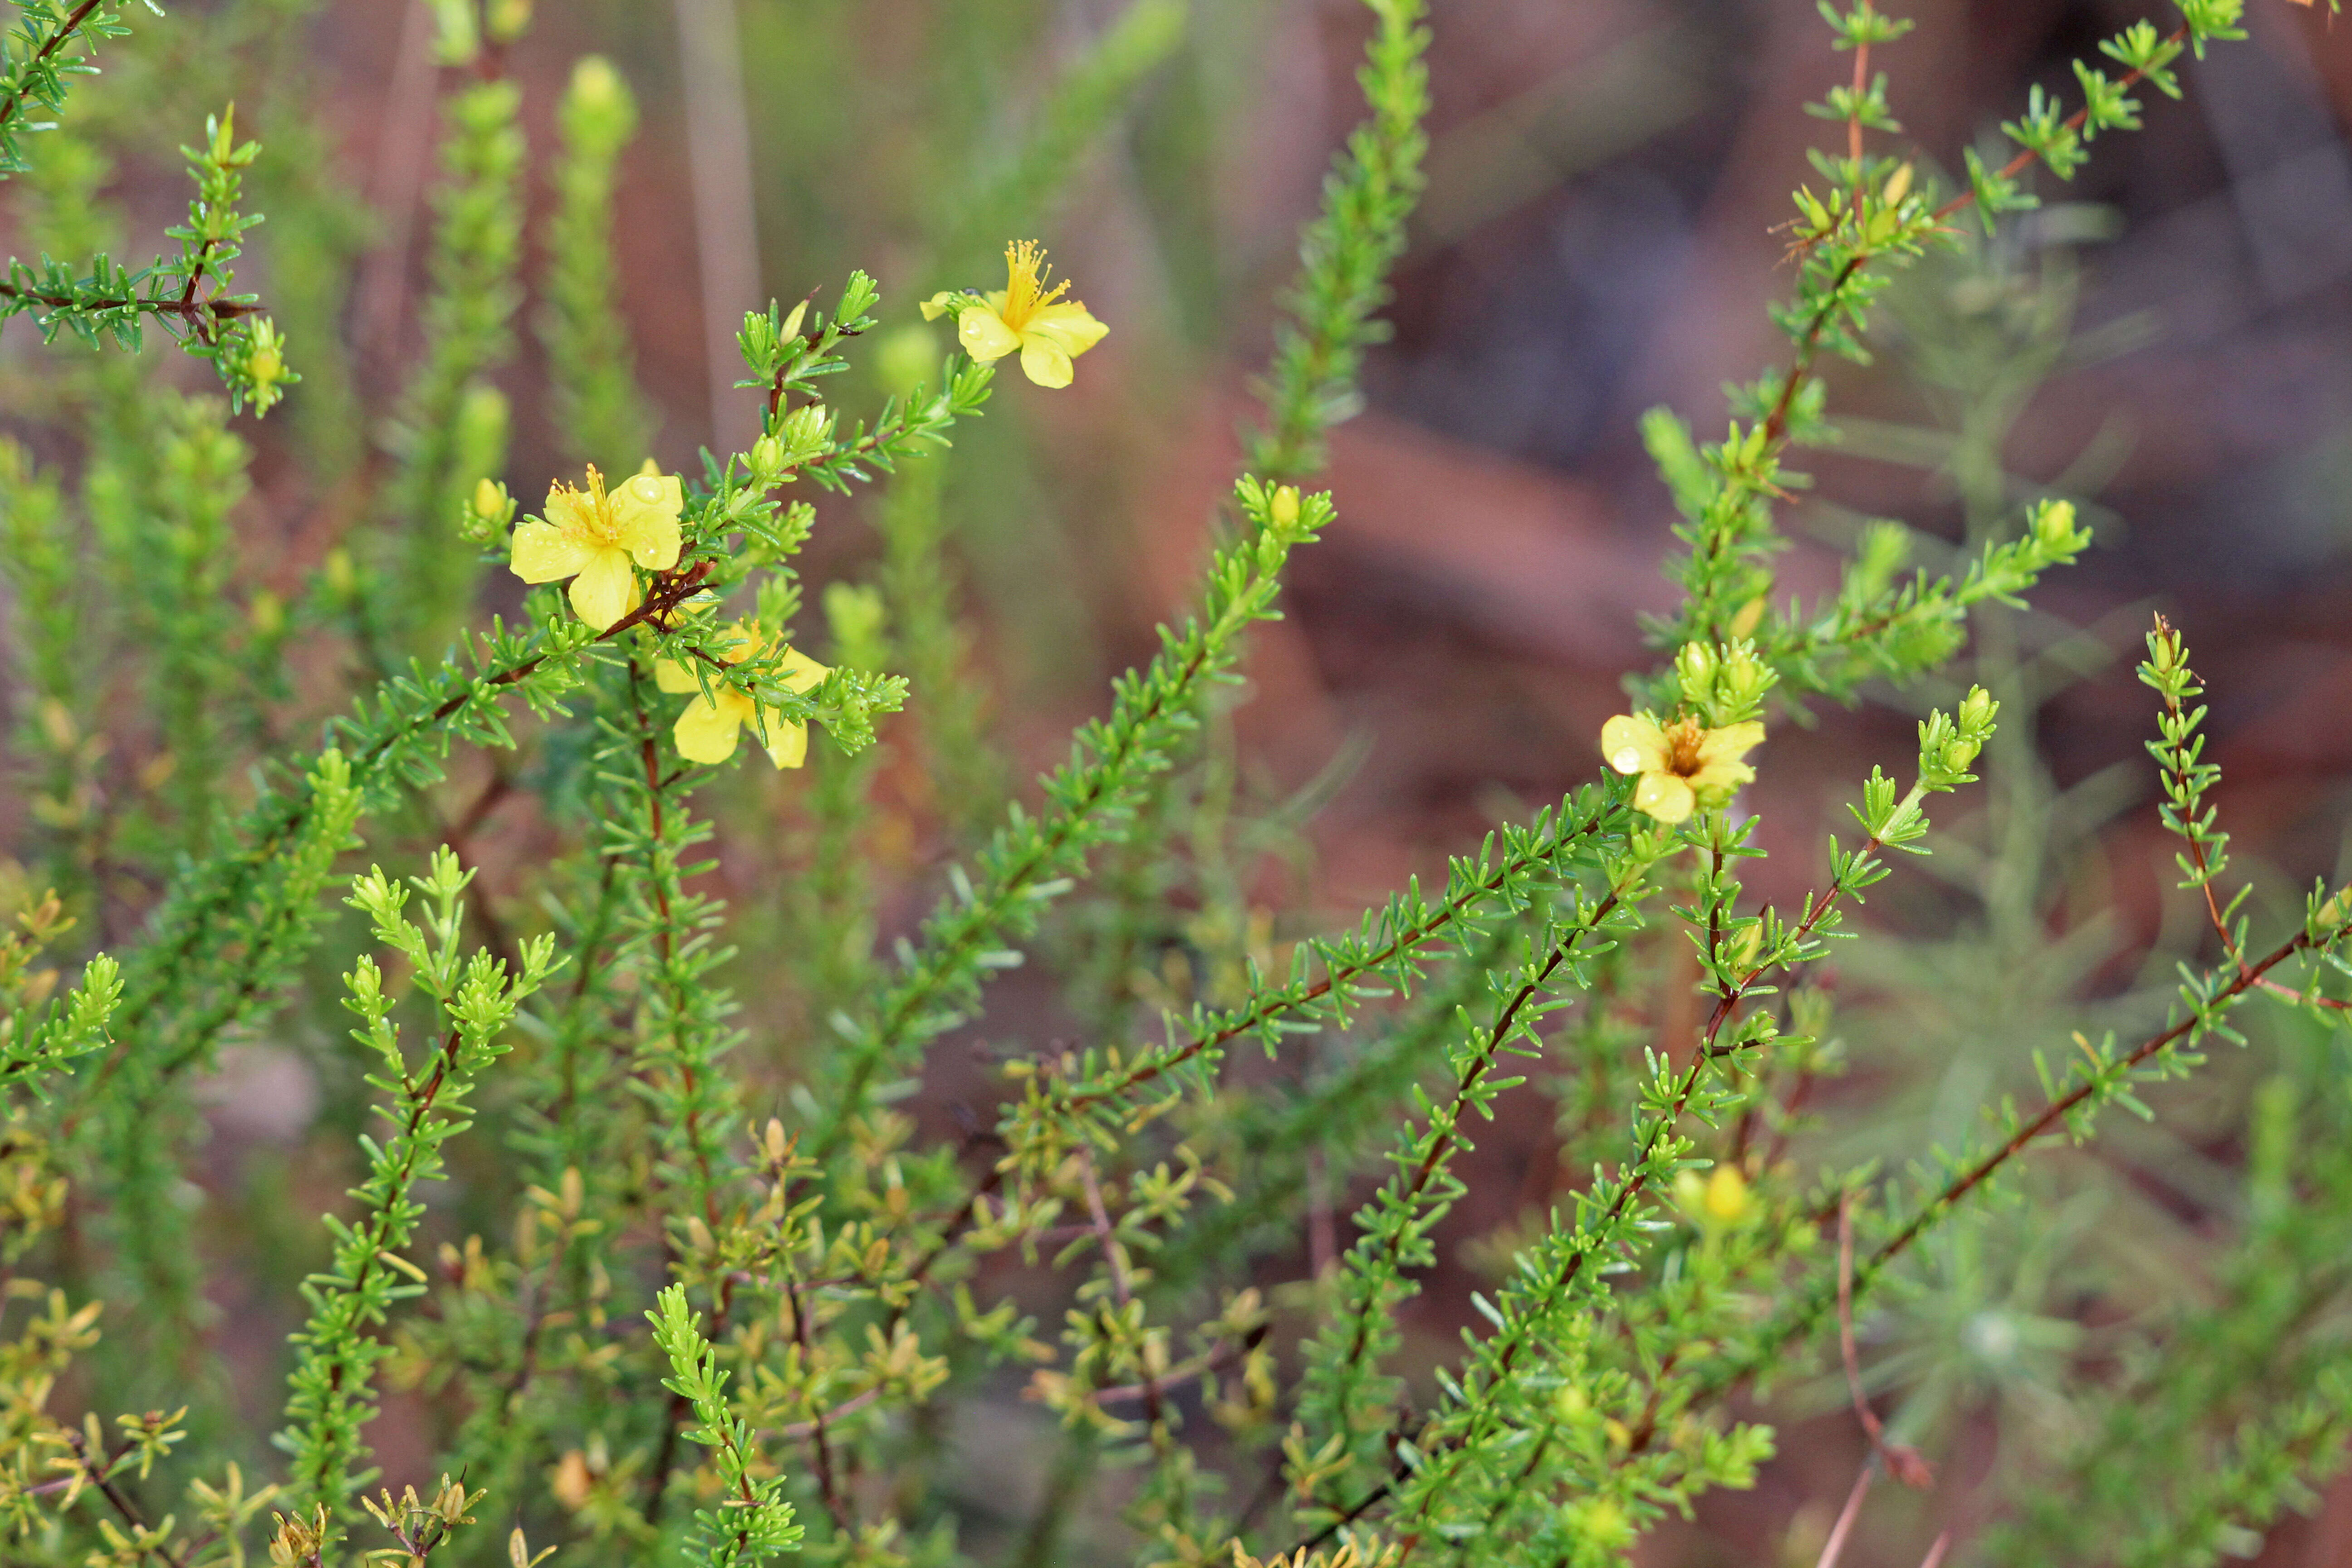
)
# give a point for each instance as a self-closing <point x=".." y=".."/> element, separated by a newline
<point x="1899" y="184"/>
<point x="508" y="19"/>
<point x="265" y="366"/>
<point x="1726" y="1199"/>
<point x="1750" y="615"/>
<point x="58" y="724"/>
<point x="571" y="1482"/>
<point x="792" y="328"/>
<point x="489" y="500"/>
<point x="1285" y="508"/>
<point x="341" y="577"/>
<point x="767" y="454"/>
<point x="1601" y="1522"/>
<point x="595" y="85"/>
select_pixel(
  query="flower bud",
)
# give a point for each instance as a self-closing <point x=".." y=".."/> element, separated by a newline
<point x="1977" y="711"/>
<point x="806" y="431"/>
<point x="767" y="456"/>
<point x="571" y="1482"/>
<point x="489" y="499"/>
<point x="596" y="87"/>
<point x="1284" y="509"/>
<point x="1695" y="662"/>
<point x="508" y="20"/>
<point x="1726" y="1200"/>
<point x="458" y="36"/>
<point x="1599" y="1524"/>
<point x="2054" y="524"/>
<point x="58" y="724"/>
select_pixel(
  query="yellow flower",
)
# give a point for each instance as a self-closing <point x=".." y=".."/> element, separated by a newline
<point x="1024" y="314"/>
<point x="707" y="731"/>
<point x="591" y="538"/>
<point x="1683" y="766"/>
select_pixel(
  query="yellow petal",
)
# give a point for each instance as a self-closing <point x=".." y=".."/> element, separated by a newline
<point x="984" y="336"/>
<point x="545" y="553"/>
<point x="802" y="673"/>
<point x="1721" y="777"/>
<point x="605" y="589"/>
<point x="673" y="677"/>
<point x="1043" y="363"/>
<point x="707" y="730"/>
<point x="1634" y="744"/>
<point x="570" y="509"/>
<point x="787" y="743"/>
<point x="738" y="642"/>
<point x="644" y="518"/>
<point x="937" y="305"/>
<point x="1729" y="743"/>
<point x="1069" y="327"/>
<point x="1663" y="797"/>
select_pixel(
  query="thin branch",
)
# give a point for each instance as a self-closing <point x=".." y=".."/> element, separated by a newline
<point x="15" y="101"/>
<point x="1834" y="1547"/>
<point x="1115" y="1257"/>
<point x="1905" y="1463"/>
<point x="2075" y="122"/>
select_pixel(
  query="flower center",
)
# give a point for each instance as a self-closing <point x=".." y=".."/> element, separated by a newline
<point x="602" y="525"/>
<point x="1026" y="292"/>
<point x="1683" y="742"/>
